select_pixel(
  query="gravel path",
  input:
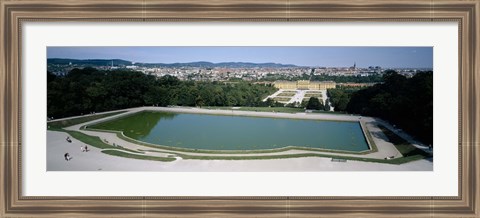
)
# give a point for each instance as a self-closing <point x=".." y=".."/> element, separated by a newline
<point x="94" y="160"/>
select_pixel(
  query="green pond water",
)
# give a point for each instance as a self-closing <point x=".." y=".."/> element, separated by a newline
<point x="221" y="132"/>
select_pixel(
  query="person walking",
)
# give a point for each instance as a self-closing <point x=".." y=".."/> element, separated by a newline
<point x="67" y="156"/>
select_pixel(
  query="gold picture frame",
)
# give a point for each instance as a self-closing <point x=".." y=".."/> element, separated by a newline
<point x="13" y="13"/>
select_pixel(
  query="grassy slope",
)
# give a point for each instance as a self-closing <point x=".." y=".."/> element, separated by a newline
<point x="70" y="122"/>
<point x="263" y="157"/>
<point x="403" y="146"/>
<point x="272" y="109"/>
<point x="95" y="141"/>
<point x="136" y="156"/>
<point x="287" y="94"/>
<point x="263" y="109"/>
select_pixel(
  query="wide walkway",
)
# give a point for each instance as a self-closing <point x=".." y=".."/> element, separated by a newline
<point x="94" y="160"/>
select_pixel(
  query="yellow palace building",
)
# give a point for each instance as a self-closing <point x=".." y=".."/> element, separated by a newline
<point x="305" y="84"/>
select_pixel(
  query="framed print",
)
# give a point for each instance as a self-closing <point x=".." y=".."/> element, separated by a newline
<point x="233" y="108"/>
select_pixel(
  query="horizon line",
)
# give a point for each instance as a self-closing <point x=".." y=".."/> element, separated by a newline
<point x="229" y="62"/>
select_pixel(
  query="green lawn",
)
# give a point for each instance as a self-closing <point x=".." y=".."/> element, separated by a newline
<point x="370" y="139"/>
<point x="281" y="99"/>
<point x="289" y="94"/>
<point x="403" y="146"/>
<point x="318" y="95"/>
<point x="263" y="109"/>
<point x="94" y="141"/>
<point x="274" y="109"/>
<point x="74" y="121"/>
<point x="391" y="161"/>
<point x="136" y="156"/>
<point x="328" y="112"/>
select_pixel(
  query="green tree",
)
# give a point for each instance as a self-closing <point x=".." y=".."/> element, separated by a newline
<point x="327" y="105"/>
<point x="199" y="101"/>
<point x="406" y="102"/>
<point x="314" y="104"/>
<point x="270" y="102"/>
<point x="82" y="91"/>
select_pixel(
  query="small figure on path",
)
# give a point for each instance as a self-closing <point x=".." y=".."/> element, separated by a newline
<point x="81" y="148"/>
<point x="67" y="157"/>
<point x="68" y="139"/>
<point x="86" y="148"/>
<point x="389" y="157"/>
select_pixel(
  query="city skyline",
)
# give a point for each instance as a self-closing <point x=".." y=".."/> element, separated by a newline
<point x="311" y="56"/>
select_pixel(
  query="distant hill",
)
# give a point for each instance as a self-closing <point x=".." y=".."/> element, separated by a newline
<point x="117" y="62"/>
<point x="92" y="62"/>
<point x="222" y="64"/>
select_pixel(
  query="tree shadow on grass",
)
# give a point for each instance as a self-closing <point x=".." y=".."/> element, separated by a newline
<point x="379" y="135"/>
<point x="402" y="145"/>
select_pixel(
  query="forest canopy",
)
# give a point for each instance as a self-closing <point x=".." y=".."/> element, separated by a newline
<point x="87" y="90"/>
<point x="405" y="102"/>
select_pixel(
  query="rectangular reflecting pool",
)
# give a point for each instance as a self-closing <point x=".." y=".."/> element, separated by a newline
<point x="222" y="132"/>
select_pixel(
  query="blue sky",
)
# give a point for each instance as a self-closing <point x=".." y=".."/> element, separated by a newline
<point x="415" y="57"/>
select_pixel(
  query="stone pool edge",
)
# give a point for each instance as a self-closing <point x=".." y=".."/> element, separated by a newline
<point x="371" y="146"/>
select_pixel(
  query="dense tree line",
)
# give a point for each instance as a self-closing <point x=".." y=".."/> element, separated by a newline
<point x="405" y="102"/>
<point x="340" y="96"/>
<point x="87" y="90"/>
<point x="315" y="104"/>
